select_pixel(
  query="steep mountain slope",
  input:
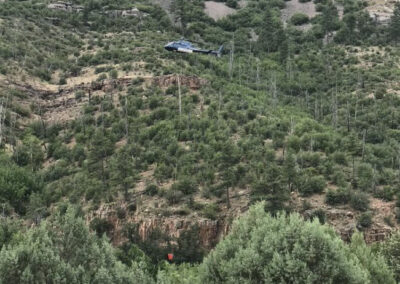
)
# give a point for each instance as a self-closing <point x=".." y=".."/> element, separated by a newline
<point x="96" y="113"/>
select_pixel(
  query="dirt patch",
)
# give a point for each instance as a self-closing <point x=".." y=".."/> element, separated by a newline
<point x="217" y="10"/>
<point x="381" y="10"/>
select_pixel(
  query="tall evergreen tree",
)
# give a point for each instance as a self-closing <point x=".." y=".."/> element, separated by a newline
<point x="394" y="26"/>
<point x="270" y="34"/>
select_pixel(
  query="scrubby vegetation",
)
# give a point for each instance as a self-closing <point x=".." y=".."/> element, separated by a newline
<point x="287" y="112"/>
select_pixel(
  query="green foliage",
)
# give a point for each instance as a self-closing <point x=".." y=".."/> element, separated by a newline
<point x="271" y="189"/>
<point x="394" y="26"/>
<point x="365" y="220"/>
<point x="291" y="249"/>
<point x="211" y="211"/>
<point x="391" y="251"/>
<point x="299" y="19"/>
<point x="339" y="196"/>
<point x="374" y="263"/>
<point x="313" y="184"/>
<point x="186" y="186"/>
<point x="289" y="110"/>
<point x="359" y="201"/>
<point x="101" y="226"/>
<point x="59" y="251"/>
<point x="8" y="231"/>
<point x="151" y="189"/>
<point x="16" y="184"/>
<point x="179" y="274"/>
<point x="318" y="214"/>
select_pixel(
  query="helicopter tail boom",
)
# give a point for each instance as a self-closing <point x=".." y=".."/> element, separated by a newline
<point x="184" y="50"/>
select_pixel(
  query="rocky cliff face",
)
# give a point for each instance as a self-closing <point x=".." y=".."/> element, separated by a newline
<point x="210" y="231"/>
<point x="343" y="219"/>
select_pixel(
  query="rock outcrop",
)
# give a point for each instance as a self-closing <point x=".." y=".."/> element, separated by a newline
<point x="210" y="231"/>
<point x="134" y="12"/>
<point x="65" y="6"/>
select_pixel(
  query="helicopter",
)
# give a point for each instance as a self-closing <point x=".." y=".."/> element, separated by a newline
<point x="187" y="47"/>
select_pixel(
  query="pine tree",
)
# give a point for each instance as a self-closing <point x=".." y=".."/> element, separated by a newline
<point x="394" y="27"/>
<point x="101" y="148"/>
<point x="268" y="40"/>
<point x="271" y="189"/>
<point x="290" y="170"/>
<point x="122" y="171"/>
<point x="330" y="18"/>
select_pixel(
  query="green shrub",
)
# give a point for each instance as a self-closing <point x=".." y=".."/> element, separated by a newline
<point x="311" y="185"/>
<point x="339" y="196"/>
<point x="113" y="74"/>
<point x="79" y="95"/>
<point x="62" y="80"/>
<point x="365" y="220"/>
<point x="101" y="226"/>
<point x="387" y="193"/>
<point x="186" y="186"/>
<point x="319" y="214"/>
<point x="210" y="211"/>
<point x="388" y="221"/>
<point x="232" y="3"/>
<point x="151" y="189"/>
<point x="262" y="249"/>
<point x="102" y="77"/>
<point x="359" y="201"/>
<point x="299" y="19"/>
<point x="173" y="196"/>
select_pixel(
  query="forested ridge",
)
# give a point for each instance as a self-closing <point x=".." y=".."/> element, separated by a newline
<point x="115" y="152"/>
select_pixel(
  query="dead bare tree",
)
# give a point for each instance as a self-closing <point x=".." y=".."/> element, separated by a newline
<point x="126" y="119"/>
<point x="348" y="115"/>
<point x="228" y="198"/>
<point x="231" y="57"/>
<point x="273" y="89"/>
<point x="363" y="145"/>
<point x="180" y="96"/>
<point x="1" y="122"/>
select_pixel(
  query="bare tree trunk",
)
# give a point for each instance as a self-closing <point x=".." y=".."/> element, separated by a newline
<point x="292" y="125"/>
<point x="126" y="119"/>
<point x="307" y="99"/>
<point x="353" y="178"/>
<point x="180" y="96"/>
<point x="363" y="146"/>
<point x="348" y="116"/>
<point x="316" y="109"/>
<point x="355" y="110"/>
<point x="231" y="57"/>
<point x="228" y="198"/>
<point x="103" y="171"/>
<point x="334" y="105"/>
<point x="258" y="74"/>
<point x="273" y="89"/>
<point x="1" y="122"/>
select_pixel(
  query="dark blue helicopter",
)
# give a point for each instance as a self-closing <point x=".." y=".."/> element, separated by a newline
<point x="187" y="47"/>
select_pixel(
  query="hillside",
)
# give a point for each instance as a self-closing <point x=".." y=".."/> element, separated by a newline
<point x="160" y="150"/>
